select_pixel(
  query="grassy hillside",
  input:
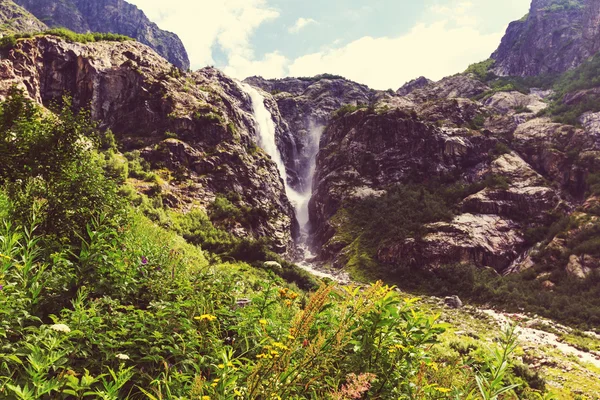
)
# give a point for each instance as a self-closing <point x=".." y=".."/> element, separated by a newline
<point x="98" y="301"/>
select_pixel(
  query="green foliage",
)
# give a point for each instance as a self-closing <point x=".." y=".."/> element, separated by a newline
<point x="51" y="161"/>
<point x="482" y="70"/>
<point x="8" y="42"/>
<point x="347" y="109"/>
<point x="586" y="76"/>
<point x="317" y="78"/>
<point x="138" y="167"/>
<point x="563" y="5"/>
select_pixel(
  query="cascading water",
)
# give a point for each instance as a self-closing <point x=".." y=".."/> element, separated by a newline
<point x="266" y="132"/>
<point x="299" y="199"/>
<point x="266" y="137"/>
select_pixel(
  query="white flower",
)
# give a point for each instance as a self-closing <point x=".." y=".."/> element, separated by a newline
<point x="60" y="328"/>
<point x="122" y="356"/>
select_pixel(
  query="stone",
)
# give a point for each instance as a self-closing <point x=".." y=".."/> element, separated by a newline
<point x="453" y="302"/>
<point x="413" y="85"/>
<point x="548" y="285"/>
<point x="273" y="265"/>
<point x="131" y="90"/>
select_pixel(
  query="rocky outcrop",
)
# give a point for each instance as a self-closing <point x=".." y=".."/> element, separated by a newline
<point x="483" y="240"/>
<point x="366" y="150"/>
<point x="517" y="102"/>
<point x="464" y="86"/>
<point x="15" y="19"/>
<point x="554" y="37"/>
<point x="199" y="125"/>
<point x="413" y="85"/>
<point x="114" y="16"/>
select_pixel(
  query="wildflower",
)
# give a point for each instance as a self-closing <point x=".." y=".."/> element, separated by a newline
<point x="205" y="397"/>
<point x="1" y="287"/>
<point x="230" y="364"/>
<point x="144" y="260"/>
<point x="206" y="317"/>
<point x="221" y="366"/>
<point x="262" y="321"/>
<point x="60" y="328"/>
<point x="122" y="356"/>
<point x="291" y="337"/>
<point x="443" y="390"/>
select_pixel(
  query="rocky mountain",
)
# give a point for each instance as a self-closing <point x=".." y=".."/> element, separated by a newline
<point x="556" y="35"/>
<point x="109" y="16"/>
<point x="16" y="19"/>
<point x="197" y="127"/>
<point x="503" y="175"/>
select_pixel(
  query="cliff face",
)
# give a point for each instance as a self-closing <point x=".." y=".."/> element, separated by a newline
<point x="555" y="36"/>
<point x="115" y="16"/>
<point x="522" y="173"/>
<point x="198" y="125"/>
<point x="16" y="19"/>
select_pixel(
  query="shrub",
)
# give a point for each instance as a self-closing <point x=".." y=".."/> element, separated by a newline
<point x="51" y="161"/>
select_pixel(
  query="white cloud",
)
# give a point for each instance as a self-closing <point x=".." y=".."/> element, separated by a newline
<point x="202" y="24"/>
<point x="433" y="50"/>
<point x="300" y="24"/>
<point x="452" y="36"/>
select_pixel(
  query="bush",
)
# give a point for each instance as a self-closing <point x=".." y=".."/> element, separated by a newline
<point x="51" y="161"/>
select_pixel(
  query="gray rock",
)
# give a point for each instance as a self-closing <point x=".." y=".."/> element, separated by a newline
<point x="552" y="38"/>
<point x="453" y="302"/>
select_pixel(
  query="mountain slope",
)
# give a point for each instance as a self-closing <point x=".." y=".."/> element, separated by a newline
<point x="16" y="19"/>
<point x="197" y="128"/>
<point x="114" y="16"/>
<point x="556" y="35"/>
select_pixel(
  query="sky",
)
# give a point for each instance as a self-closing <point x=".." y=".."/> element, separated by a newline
<point x="381" y="43"/>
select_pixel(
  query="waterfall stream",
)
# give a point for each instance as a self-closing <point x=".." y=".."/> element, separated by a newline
<point x="298" y="198"/>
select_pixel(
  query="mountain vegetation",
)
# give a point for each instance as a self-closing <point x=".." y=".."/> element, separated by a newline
<point x="147" y="242"/>
<point x="99" y="302"/>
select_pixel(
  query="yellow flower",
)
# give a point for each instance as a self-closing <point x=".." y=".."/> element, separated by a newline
<point x="263" y="321"/>
<point x="205" y="397"/>
<point x="230" y="364"/>
<point x="221" y="366"/>
<point x="443" y="390"/>
<point x="205" y="317"/>
<point x="291" y="337"/>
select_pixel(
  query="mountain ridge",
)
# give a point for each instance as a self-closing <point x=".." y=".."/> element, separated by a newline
<point x="109" y="16"/>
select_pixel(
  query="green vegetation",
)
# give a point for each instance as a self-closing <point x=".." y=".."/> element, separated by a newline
<point x="97" y="301"/>
<point x="8" y="42"/>
<point x="348" y="109"/>
<point x="563" y="5"/>
<point x="365" y="226"/>
<point x="586" y="76"/>
<point x="482" y="70"/>
<point x="317" y="78"/>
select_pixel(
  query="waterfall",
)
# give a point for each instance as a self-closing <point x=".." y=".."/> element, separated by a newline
<point x="266" y="138"/>
<point x="298" y="198"/>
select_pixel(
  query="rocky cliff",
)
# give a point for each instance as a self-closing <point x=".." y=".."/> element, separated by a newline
<point x="16" y="19"/>
<point x="114" y="16"/>
<point x="507" y="175"/>
<point x="197" y="126"/>
<point x="556" y="35"/>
